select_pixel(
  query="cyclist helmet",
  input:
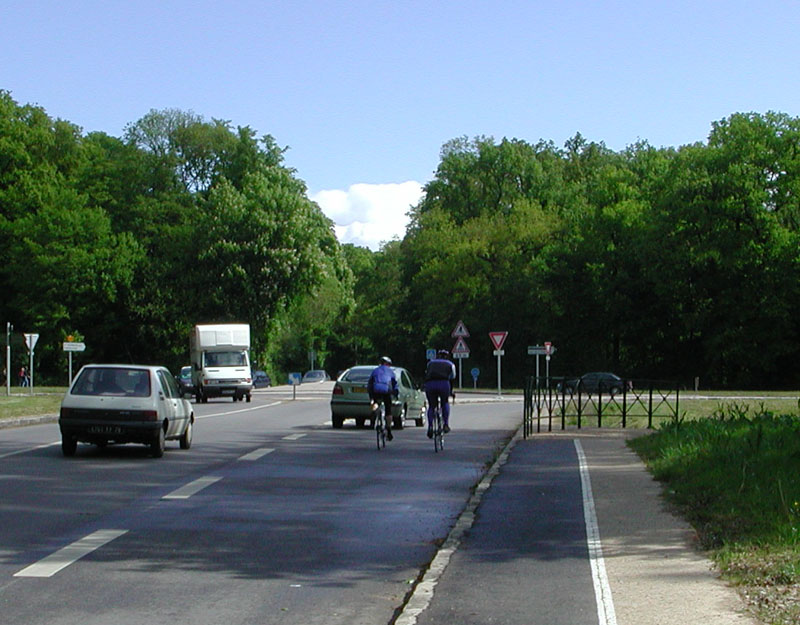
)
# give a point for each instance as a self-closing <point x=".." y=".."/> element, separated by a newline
<point x="443" y="353"/>
<point x="385" y="360"/>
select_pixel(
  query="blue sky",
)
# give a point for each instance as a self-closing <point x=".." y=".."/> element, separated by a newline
<point x="364" y="94"/>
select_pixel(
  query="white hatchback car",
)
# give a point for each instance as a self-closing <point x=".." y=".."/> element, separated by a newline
<point x="109" y="404"/>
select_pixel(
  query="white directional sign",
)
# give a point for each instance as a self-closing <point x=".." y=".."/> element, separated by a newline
<point x="72" y="346"/>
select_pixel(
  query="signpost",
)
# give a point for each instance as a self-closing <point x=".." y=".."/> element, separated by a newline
<point x="460" y="349"/>
<point x="546" y="350"/>
<point x="9" y="330"/>
<point x="30" y="341"/>
<point x="69" y="347"/>
<point x="498" y="338"/>
<point x="294" y="380"/>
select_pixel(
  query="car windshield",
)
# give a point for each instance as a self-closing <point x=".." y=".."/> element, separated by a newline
<point x="186" y="373"/>
<point x="226" y="359"/>
<point x="314" y="375"/>
<point x="113" y="381"/>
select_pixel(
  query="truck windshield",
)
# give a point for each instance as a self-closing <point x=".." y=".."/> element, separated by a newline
<point x="226" y="359"/>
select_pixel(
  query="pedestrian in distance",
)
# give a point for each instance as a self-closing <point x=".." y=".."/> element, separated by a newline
<point x="439" y="376"/>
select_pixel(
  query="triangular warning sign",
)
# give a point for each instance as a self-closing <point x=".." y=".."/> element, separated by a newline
<point x="461" y="330"/>
<point x="498" y="338"/>
<point x="460" y="347"/>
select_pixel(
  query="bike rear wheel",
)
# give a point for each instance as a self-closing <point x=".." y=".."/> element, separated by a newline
<point x="380" y="428"/>
<point x="438" y="431"/>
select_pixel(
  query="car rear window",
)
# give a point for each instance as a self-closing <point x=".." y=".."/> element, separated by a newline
<point x="113" y="381"/>
<point x="357" y="375"/>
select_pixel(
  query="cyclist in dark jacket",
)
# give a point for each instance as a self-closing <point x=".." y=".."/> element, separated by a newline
<point x="382" y="387"/>
<point x="439" y="377"/>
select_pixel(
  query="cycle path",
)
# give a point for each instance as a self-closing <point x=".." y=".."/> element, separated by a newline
<point x="525" y="559"/>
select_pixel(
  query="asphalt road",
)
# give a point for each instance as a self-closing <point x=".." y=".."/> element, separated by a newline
<point x="271" y="517"/>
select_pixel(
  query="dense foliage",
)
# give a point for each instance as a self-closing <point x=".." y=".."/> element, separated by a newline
<point x="669" y="263"/>
<point x="126" y="243"/>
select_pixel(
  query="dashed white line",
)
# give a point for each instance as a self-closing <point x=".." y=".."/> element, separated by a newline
<point x="293" y="437"/>
<point x="256" y="454"/>
<point x="52" y="564"/>
<point x="192" y="488"/>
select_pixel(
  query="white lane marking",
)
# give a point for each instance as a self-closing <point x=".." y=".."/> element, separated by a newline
<point x="602" y="590"/>
<point x="293" y="437"/>
<point x="258" y="453"/>
<point x="23" y="451"/>
<point x="230" y="412"/>
<point x="192" y="488"/>
<point x="52" y="564"/>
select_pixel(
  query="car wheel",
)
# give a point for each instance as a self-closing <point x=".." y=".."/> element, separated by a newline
<point x="360" y="422"/>
<point x="68" y="446"/>
<point x="399" y="421"/>
<point x="158" y="445"/>
<point x="186" y="439"/>
<point x="338" y="422"/>
<point x="248" y="398"/>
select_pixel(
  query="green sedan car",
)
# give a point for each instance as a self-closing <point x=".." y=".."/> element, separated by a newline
<point x="351" y="401"/>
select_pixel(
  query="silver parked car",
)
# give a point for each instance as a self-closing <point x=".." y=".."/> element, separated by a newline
<point x="351" y="401"/>
<point x="109" y="404"/>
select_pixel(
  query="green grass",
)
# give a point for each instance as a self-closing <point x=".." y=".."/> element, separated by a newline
<point x="735" y="475"/>
<point x="45" y="400"/>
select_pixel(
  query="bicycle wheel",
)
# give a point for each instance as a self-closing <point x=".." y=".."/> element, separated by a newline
<point x="380" y="428"/>
<point x="438" y="438"/>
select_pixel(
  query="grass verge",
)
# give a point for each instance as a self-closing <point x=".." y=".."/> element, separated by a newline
<point x="734" y="476"/>
<point x="45" y="400"/>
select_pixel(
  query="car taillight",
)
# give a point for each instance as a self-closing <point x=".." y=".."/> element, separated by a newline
<point x="149" y="415"/>
<point x="65" y="413"/>
<point x="338" y="390"/>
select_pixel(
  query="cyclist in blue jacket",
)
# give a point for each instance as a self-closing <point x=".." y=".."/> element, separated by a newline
<point x="439" y="376"/>
<point x="382" y="387"/>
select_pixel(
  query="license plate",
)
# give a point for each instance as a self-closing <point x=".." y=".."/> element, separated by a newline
<point x="358" y="389"/>
<point x="105" y="429"/>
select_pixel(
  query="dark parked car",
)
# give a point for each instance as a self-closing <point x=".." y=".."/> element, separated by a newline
<point x="595" y="383"/>
<point x="261" y="380"/>
<point x="184" y="379"/>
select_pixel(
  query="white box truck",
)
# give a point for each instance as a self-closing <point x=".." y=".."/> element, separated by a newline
<point x="220" y="356"/>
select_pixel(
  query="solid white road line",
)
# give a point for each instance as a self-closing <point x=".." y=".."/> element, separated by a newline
<point x="192" y="488"/>
<point x="602" y="589"/>
<point x="258" y="453"/>
<point x="230" y="412"/>
<point x="52" y="564"/>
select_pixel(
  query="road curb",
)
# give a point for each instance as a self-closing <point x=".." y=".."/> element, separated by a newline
<point x="14" y="422"/>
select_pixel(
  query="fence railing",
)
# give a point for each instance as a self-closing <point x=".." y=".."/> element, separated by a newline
<point x="571" y="402"/>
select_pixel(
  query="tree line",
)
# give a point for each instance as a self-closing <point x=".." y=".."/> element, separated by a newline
<point x="669" y="263"/>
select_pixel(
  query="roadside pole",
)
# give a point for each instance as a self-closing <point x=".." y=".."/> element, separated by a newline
<point x="9" y="329"/>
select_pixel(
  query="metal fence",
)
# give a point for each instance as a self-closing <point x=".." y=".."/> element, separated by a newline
<point x="569" y="402"/>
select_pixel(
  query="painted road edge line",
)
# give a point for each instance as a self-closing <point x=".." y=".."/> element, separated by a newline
<point x="52" y="564"/>
<point x="421" y="596"/>
<point x="602" y="589"/>
<point x="192" y="488"/>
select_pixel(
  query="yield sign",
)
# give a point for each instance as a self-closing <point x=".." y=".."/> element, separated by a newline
<point x="461" y="330"/>
<point x="460" y="347"/>
<point x="498" y="338"/>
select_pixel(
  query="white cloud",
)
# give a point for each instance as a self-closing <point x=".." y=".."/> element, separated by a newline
<point x="370" y="214"/>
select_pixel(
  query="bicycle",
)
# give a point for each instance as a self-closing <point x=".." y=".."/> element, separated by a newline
<point x="380" y="424"/>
